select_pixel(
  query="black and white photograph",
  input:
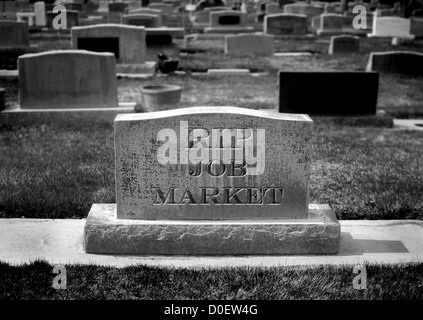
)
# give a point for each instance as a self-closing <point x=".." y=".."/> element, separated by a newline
<point x="211" y="158"/>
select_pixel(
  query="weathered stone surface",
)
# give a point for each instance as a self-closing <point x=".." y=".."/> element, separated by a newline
<point x="67" y="79"/>
<point x="165" y="8"/>
<point x="13" y="34"/>
<point x="328" y="93"/>
<point x="319" y="233"/>
<point x="164" y="172"/>
<point x="391" y="27"/>
<point x="416" y="26"/>
<point x="344" y="44"/>
<point x="285" y="24"/>
<point x="260" y="45"/>
<point x="396" y="61"/>
<point x="303" y="8"/>
<point x="127" y="42"/>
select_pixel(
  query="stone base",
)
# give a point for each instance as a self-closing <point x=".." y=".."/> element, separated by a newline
<point x="105" y="234"/>
<point x="17" y="116"/>
<point x="229" y="30"/>
<point x="407" y="37"/>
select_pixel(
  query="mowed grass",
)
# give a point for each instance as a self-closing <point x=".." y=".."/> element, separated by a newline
<point x="58" y="170"/>
<point x="34" y="281"/>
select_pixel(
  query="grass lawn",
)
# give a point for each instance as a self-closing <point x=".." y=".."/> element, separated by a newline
<point x="34" y="281"/>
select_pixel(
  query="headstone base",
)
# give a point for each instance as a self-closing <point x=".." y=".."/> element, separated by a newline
<point x="380" y="120"/>
<point x="105" y="234"/>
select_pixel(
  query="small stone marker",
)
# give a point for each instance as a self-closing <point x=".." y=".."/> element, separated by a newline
<point x="260" y="45"/>
<point x="405" y="62"/>
<point x="328" y="93"/>
<point x="344" y="44"/>
<point x="330" y="23"/>
<point x="212" y="181"/>
<point x="67" y="79"/>
<point x="13" y="34"/>
<point x="285" y="24"/>
<point x="391" y="27"/>
<point x="126" y="42"/>
<point x="40" y="14"/>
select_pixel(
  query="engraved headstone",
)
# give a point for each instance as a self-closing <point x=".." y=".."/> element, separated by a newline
<point x="126" y="42"/>
<point x="285" y="24"/>
<point x="212" y="181"/>
<point x="67" y="79"/>
<point x="330" y="23"/>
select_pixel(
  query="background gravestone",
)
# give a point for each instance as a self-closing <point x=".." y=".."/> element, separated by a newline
<point x="285" y="24"/>
<point x="13" y="34"/>
<point x="328" y="93"/>
<point x="344" y="44"/>
<point x="67" y="79"/>
<point x="127" y="42"/>
<point x="391" y="27"/>
<point x="142" y="19"/>
<point x="396" y="61"/>
<point x="171" y="202"/>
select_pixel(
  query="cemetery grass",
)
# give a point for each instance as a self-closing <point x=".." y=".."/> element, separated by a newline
<point x="387" y="282"/>
<point x="58" y="170"/>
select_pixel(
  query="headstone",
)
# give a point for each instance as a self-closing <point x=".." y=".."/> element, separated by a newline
<point x="330" y="23"/>
<point x="203" y="16"/>
<point x="328" y="93"/>
<point x="405" y="62"/>
<point x="285" y="24"/>
<point x="212" y="181"/>
<point x="2" y="99"/>
<point x="391" y="27"/>
<point x="260" y="45"/>
<point x="103" y="6"/>
<point x="67" y="79"/>
<point x="27" y="17"/>
<point x="126" y="42"/>
<point x="75" y="6"/>
<point x="228" y="21"/>
<point x="142" y="19"/>
<point x="416" y="27"/>
<point x="40" y="14"/>
<point x="13" y="34"/>
<point x="344" y="44"/>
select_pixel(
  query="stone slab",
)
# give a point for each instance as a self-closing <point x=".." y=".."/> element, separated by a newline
<point x="17" y="116"/>
<point x="67" y="79"/>
<point x="410" y="124"/>
<point x="13" y="34"/>
<point x="380" y="120"/>
<point x="184" y="164"/>
<point x="285" y="24"/>
<point x="173" y="32"/>
<point x="60" y="241"/>
<point x="405" y="62"/>
<point x="328" y="93"/>
<point x="391" y="27"/>
<point x="317" y="234"/>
